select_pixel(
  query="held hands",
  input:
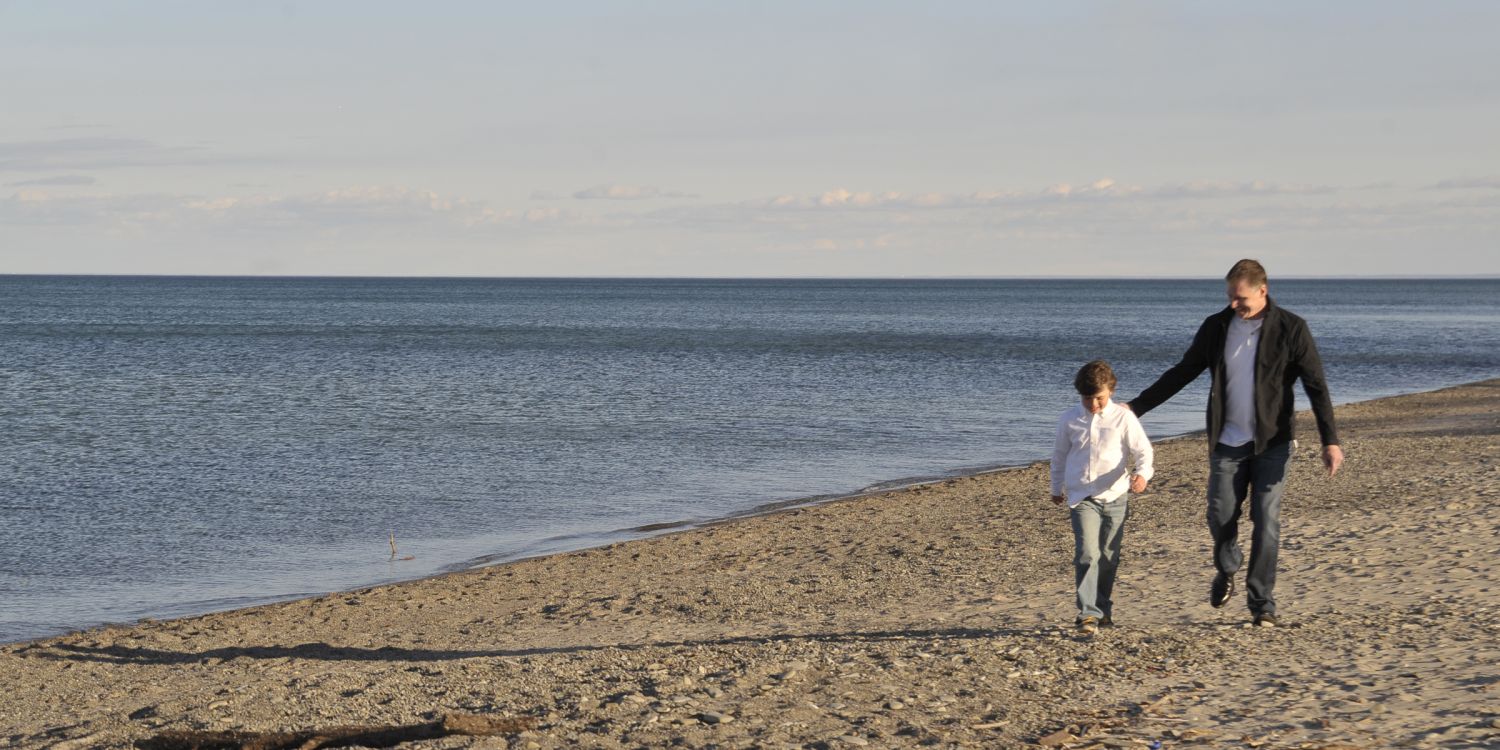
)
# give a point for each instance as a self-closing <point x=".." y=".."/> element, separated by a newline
<point x="1137" y="484"/>
<point x="1333" y="458"/>
<point x="1058" y="499"/>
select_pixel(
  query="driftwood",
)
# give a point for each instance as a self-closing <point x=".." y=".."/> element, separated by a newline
<point x="344" y="736"/>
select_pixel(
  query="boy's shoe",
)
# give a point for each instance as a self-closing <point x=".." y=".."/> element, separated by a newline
<point x="1265" y="620"/>
<point x="1088" y="625"/>
<point x="1223" y="588"/>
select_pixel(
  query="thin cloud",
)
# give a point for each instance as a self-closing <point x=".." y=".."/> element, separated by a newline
<point x="354" y="207"/>
<point x="1098" y="190"/>
<point x="85" y="153"/>
<point x="39" y="207"/>
<point x="1224" y="189"/>
<point x="59" y="181"/>
<point x="1066" y="212"/>
<point x="364" y="205"/>
<point x="842" y="198"/>
<point x="625" y="193"/>
<point x="1472" y="183"/>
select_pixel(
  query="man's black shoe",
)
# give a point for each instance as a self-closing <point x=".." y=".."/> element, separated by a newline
<point x="1265" y="620"/>
<point x="1223" y="588"/>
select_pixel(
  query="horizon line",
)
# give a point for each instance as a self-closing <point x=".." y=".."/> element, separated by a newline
<point x="1018" y="277"/>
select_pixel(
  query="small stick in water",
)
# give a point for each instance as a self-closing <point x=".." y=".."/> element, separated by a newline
<point x="393" y="550"/>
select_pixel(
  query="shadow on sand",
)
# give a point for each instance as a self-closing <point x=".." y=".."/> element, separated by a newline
<point x="115" y="654"/>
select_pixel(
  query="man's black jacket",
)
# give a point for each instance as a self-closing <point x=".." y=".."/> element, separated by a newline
<point x="1286" y="352"/>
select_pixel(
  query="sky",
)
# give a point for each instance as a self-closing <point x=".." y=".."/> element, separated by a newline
<point x="749" y="139"/>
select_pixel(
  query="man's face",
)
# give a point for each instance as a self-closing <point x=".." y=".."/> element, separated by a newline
<point x="1095" y="403"/>
<point x="1248" y="301"/>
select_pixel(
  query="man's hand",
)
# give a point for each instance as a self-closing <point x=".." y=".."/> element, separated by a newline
<point x="1333" y="458"/>
<point x="1137" y="484"/>
<point x="1058" y="499"/>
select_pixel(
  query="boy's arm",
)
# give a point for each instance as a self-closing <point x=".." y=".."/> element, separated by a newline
<point x="1059" y="459"/>
<point x="1138" y="446"/>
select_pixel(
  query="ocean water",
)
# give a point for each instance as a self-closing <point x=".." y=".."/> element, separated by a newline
<point x="180" y="445"/>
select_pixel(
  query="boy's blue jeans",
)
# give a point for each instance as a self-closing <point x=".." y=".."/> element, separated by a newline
<point x="1098" y="529"/>
<point x="1235" y="474"/>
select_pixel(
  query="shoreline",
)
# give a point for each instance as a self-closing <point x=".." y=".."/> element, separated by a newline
<point x="657" y="528"/>
<point x="936" y="615"/>
<point x="558" y="545"/>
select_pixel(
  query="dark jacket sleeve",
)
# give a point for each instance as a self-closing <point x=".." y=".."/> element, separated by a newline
<point x="1304" y="355"/>
<point x="1194" y="361"/>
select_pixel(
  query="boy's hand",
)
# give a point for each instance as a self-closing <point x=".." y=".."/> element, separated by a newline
<point x="1137" y="483"/>
<point x="1058" y="499"/>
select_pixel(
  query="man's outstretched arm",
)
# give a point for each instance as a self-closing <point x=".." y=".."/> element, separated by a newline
<point x="1194" y="361"/>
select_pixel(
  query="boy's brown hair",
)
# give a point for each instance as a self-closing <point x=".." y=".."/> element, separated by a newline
<point x="1094" y="377"/>
<point x="1249" y="271"/>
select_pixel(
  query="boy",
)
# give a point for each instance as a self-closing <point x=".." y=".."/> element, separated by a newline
<point x="1089" y="473"/>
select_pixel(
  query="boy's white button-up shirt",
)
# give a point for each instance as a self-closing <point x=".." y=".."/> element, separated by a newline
<point x="1089" y="459"/>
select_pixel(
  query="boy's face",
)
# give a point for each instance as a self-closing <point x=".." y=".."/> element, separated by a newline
<point x="1096" y="403"/>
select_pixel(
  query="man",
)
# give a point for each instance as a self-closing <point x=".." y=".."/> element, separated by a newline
<point x="1254" y="351"/>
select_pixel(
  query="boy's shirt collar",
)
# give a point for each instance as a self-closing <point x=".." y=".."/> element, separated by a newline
<point x="1108" y="410"/>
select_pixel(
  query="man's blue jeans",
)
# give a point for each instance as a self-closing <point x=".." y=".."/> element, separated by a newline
<point x="1097" y="531"/>
<point x="1235" y="473"/>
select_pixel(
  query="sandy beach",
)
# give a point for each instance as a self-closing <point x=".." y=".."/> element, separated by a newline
<point x="936" y="616"/>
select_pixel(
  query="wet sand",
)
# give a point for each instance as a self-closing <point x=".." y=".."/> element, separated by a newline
<point x="937" y="615"/>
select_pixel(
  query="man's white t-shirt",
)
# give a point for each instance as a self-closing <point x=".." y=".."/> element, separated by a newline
<point x="1239" y="381"/>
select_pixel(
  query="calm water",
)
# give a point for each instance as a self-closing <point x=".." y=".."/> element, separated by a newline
<point x="170" y="446"/>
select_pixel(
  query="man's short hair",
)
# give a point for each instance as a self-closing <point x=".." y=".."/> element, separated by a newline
<point x="1249" y="271"/>
<point x="1094" y="377"/>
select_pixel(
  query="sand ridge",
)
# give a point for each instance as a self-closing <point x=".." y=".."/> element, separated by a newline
<point x="937" y="615"/>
